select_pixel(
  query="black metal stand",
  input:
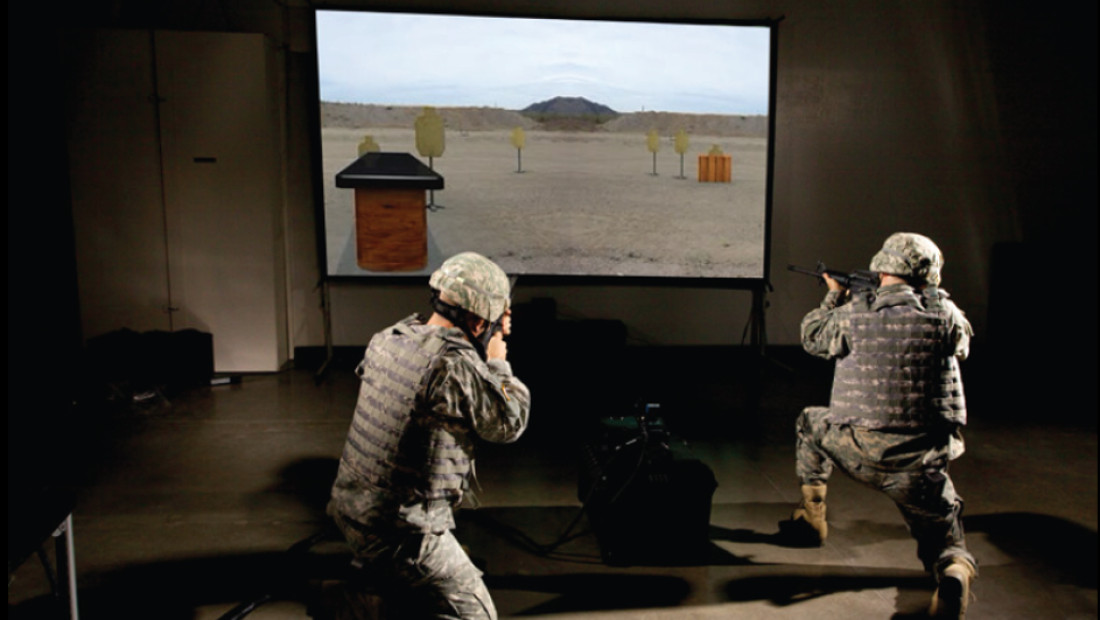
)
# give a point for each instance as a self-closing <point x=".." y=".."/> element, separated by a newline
<point x="326" y="310"/>
<point x="52" y="515"/>
<point x="431" y="192"/>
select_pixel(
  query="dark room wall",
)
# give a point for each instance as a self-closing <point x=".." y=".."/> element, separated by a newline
<point x="969" y="121"/>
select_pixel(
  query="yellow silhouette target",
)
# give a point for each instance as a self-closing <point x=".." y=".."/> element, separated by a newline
<point x="368" y="145"/>
<point x="653" y="143"/>
<point x="518" y="141"/>
<point x="681" y="145"/>
<point x="429" y="143"/>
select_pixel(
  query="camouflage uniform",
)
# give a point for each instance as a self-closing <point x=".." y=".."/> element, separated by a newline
<point x="897" y="406"/>
<point x="425" y="396"/>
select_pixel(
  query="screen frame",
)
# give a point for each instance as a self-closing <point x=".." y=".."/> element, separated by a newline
<point x="758" y="285"/>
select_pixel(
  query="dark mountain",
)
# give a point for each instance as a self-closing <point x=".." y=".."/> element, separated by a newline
<point x="361" y="116"/>
<point x="569" y="107"/>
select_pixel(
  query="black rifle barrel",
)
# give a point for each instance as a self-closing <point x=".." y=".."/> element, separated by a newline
<point x="859" y="279"/>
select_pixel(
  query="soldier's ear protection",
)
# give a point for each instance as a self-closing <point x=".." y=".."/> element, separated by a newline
<point x="462" y="320"/>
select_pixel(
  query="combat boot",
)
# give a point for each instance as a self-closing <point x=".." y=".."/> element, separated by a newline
<point x="807" y="526"/>
<point x="953" y="593"/>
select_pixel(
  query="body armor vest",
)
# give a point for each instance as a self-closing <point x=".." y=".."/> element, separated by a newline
<point x="901" y="373"/>
<point x="400" y="453"/>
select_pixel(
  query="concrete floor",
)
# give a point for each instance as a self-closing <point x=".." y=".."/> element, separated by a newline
<point x="194" y="501"/>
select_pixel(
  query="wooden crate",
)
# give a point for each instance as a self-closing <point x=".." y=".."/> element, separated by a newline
<point x="715" y="168"/>
<point x="391" y="229"/>
<point x="391" y="220"/>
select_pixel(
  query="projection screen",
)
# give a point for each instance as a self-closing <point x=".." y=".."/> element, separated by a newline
<point x="556" y="147"/>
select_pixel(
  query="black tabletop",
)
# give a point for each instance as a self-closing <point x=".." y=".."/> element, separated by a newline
<point x="396" y="170"/>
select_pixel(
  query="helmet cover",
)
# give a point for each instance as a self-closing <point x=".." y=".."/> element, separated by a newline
<point x="473" y="283"/>
<point x="911" y="256"/>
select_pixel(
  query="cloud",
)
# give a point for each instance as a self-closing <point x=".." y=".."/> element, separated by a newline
<point x="447" y="60"/>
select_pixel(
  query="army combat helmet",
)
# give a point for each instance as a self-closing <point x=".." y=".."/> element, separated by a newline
<point x="911" y="256"/>
<point x="470" y="284"/>
<point x="473" y="283"/>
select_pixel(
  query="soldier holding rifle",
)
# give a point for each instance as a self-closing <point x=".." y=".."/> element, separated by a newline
<point x="430" y="388"/>
<point x="896" y="411"/>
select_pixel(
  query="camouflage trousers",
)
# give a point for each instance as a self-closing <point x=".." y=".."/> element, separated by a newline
<point x="911" y="469"/>
<point x="421" y="575"/>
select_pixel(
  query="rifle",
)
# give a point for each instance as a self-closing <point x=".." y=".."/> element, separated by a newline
<point x="498" y="324"/>
<point x="858" y="280"/>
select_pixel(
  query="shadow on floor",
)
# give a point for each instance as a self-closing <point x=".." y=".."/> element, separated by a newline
<point x="174" y="590"/>
<point x="310" y="480"/>
<point x="1049" y="549"/>
<point x="1055" y="550"/>
<point x="1062" y="551"/>
<point x="616" y="591"/>
<point x="798" y="584"/>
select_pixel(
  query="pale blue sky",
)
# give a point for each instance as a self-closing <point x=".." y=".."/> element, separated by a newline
<point x="439" y="60"/>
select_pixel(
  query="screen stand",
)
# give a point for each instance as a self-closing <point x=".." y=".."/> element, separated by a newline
<point x="326" y="311"/>
<point x="756" y="331"/>
<point x="757" y="328"/>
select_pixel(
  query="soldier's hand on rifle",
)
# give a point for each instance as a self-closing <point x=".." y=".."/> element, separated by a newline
<point x="498" y="347"/>
<point x="832" y="284"/>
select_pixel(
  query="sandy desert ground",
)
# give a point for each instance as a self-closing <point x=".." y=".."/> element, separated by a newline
<point x="573" y="203"/>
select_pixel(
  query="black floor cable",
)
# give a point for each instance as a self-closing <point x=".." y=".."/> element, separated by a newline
<point x="600" y="476"/>
<point x="303" y="546"/>
<point x="297" y="549"/>
<point x="548" y="549"/>
<point x="246" y="607"/>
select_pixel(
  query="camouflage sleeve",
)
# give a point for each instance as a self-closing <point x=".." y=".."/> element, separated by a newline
<point x="488" y="396"/>
<point x="825" y="328"/>
<point x="961" y="331"/>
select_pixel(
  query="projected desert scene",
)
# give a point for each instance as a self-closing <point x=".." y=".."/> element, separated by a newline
<point x="567" y="186"/>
